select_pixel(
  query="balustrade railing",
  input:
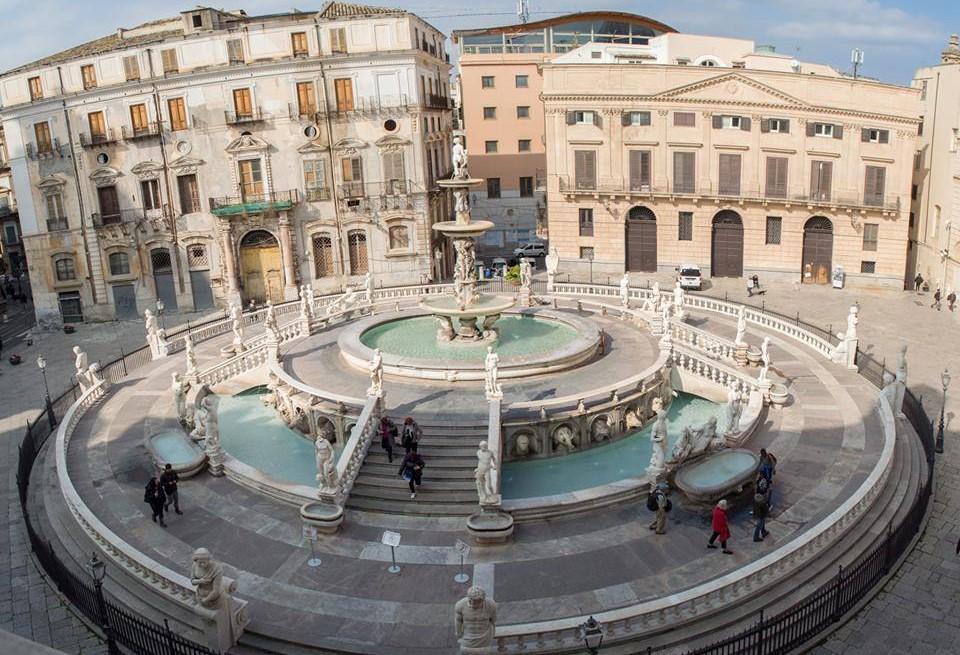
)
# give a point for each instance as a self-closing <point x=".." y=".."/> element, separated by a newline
<point x="702" y="365"/>
<point x="711" y="344"/>
<point x="355" y="451"/>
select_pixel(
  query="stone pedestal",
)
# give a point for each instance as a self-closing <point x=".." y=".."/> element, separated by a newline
<point x="223" y="625"/>
<point x="740" y="354"/>
<point x="765" y="386"/>
<point x="851" y="355"/>
<point x="524" y="297"/>
<point x="491" y="525"/>
<point x="656" y="326"/>
<point x="468" y="328"/>
<point x="325" y="514"/>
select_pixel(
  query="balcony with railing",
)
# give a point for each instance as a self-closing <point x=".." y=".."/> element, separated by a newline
<point x="157" y="218"/>
<point x="298" y="113"/>
<point x="436" y="101"/>
<point x="631" y="188"/>
<point x="368" y="105"/>
<point x="135" y="132"/>
<point x="255" y="115"/>
<point x="369" y="197"/>
<point x="317" y="194"/>
<point x="44" y="150"/>
<point x="96" y="139"/>
<point x="254" y="203"/>
<point x="57" y="225"/>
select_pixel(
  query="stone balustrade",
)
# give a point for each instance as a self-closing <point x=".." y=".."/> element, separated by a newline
<point x="714" y="346"/>
<point x="248" y="360"/>
<point x="353" y="454"/>
<point x="691" y="360"/>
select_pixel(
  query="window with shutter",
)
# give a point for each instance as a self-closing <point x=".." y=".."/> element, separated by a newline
<point x="178" y="113"/>
<point x="357" y="241"/>
<point x="42" y="133"/>
<point x="777" y="177"/>
<point x="150" y="192"/>
<point x="586" y="222"/>
<point x="322" y="255"/>
<point x="169" y="59"/>
<point x="821" y="180"/>
<point x="493" y="187"/>
<point x="306" y="99"/>
<point x="298" y="41"/>
<point x="314" y="180"/>
<point x="251" y="179"/>
<point x="338" y="40"/>
<point x="873" y="187"/>
<point x="343" y="90"/>
<point x="36" y="90"/>
<point x="526" y="187"/>
<point x="235" y="51"/>
<point x="242" y="103"/>
<point x="684" y="172"/>
<point x="822" y="129"/>
<point x="729" y="177"/>
<point x="838" y="131"/>
<point x="685" y="228"/>
<point x="684" y="119"/>
<point x="131" y="68"/>
<point x="640" y="118"/>
<point x="89" y="76"/>
<point x="55" y="206"/>
<point x="774" y="228"/>
<point x="352" y="171"/>
<point x="394" y="178"/>
<point x="585" y="168"/>
<point x="639" y="170"/>
<point x="870" y="233"/>
<point x="98" y="126"/>
<point x="189" y="193"/>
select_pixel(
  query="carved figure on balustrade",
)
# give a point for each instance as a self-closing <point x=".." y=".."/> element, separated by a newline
<point x="679" y="298"/>
<point x="658" y="440"/>
<point x="524" y="445"/>
<point x="653" y="301"/>
<point x="180" y="388"/>
<point x="741" y="327"/>
<point x="485" y="474"/>
<point x="475" y="620"/>
<point x="270" y="398"/>
<point x="765" y="359"/>
<point x="211" y="445"/>
<point x="200" y="413"/>
<point x="163" y="346"/>
<point x="376" y="374"/>
<point x="853" y="319"/>
<point x="563" y="437"/>
<point x="326" y="466"/>
<point x="733" y="409"/>
<point x="552" y="261"/>
<point x="190" y="355"/>
<point x="600" y="429"/>
<point x="838" y="354"/>
<point x="93" y="374"/>
<point x="150" y="324"/>
<point x="526" y="273"/>
<point x="304" y="304"/>
<point x="491" y="365"/>
<point x="206" y="575"/>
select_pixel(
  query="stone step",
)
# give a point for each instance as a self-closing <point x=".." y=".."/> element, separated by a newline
<point x="409" y="507"/>
<point x="437" y="472"/>
<point x="425" y="494"/>
<point x="372" y="482"/>
<point x="431" y="460"/>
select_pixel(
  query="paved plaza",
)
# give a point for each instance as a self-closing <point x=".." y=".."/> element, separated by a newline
<point x="922" y="598"/>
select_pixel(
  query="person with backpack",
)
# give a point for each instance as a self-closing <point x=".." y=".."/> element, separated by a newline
<point x="388" y="433"/>
<point x="761" y="508"/>
<point x="410" y="433"/>
<point x="169" y="481"/>
<point x="658" y="502"/>
<point x="918" y="283"/>
<point x="153" y="495"/>
<point x="411" y="469"/>
<point x="720" y="527"/>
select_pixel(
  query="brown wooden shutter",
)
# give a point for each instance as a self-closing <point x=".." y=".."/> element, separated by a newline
<point x="571" y="118"/>
<point x="585" y="169"/>
<point x="811" y="129"/>
<point x="837" y="131"/>
<point x="764" y="124"/>
<point x="131" y="68"/>
<point x="785" y="126"/>
<point x="864" y="135"/>
<point x="821" y="179"/>
<point x="625" y="118"/>
<point x="729" y="174"/>
<point x="639" y="169"/>
<point x="745" y="123"/>
<point x="874" y="184"/>
<point x="777" y="177"/>
<point x="597" y="119"/>
<point x="717" y="122"/>
<point x="884" y="136"/>
<point x="684" y="172"/>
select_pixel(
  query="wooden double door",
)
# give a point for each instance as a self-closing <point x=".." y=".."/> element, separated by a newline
<point x="817" y="250"/>
<point x="641" y="240"/>
<point x="726" y="246"/>
<point x="261" y="267"/>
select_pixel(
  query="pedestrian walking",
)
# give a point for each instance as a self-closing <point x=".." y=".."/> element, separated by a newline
<point x="411" y="469"/>
<point x="720" y="527"/>
<point x="936" y="299"/>
<point x="750" y="287"/>
<point x="659" y="503"/>
<point x="951" y="299"/>
<point x="918" y="283"/>
<point x="761" y="508"/>
<point x="388" y="433"/>
<point x="153" y="495"/>
<point x="410" y="434"/>
<point x="756" y="283"/>
<point x="169" y="480"/>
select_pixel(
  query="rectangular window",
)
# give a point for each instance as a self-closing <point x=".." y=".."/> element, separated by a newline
<point x="109" y="203"/>
<point x="394" y="176"/>
<point x="235" y="51"/>
<point x="526" y="187"/>
<point x="585" y="169"/>
<point x="138" y="118"/>
<point x="168" y="58"/>
<point x="131" y="68"/>
<point x="490" y="146"/>
<point x="586" y="253"/>
<point x="352" y="170"/>
<point x="729" y="122"/>
<point x="873" y="135"/>
<point x="189" y="192"/>
<point x="486" y="81"/>
<point x="523" y="145"/>
<point x="777" y="177"/>
<point x="322" y="255"/>
<point x="586" y="222"/>
<point x="684" y="172"/>
<point x="119" y="263"/>
<point x="584" y="118"/>
<point x="89" y="76"/>
<point x="828" y="130"/>
<point x="178" y="113"/>
<point x="42" y="133"/>
<point x="251" y="179"/>
<point x="493" y="187"/>
<point x="523" y="111"/>
<point x="729" y="175"/>
<point x="306" y="99"/>
<point x="868" y="267"/>
<point x="98" y="126"/>
<point x="636" y="118"/>
<point x="65" y="269"/>
<point x="343" y="91"/>
<point x="775" y="125"/>
<point x="639" y="170"/>
<point x="873" y="186"/>
<point x="150" y="192"/>
<point x="774" y="227"/>
<point x="314" y="184"/>
<point x="242" y="103"/>
<point x="913" y="192"/>
<point x="821" y="180"/>
<point x="489" y="113"/>
<point x="920" y="127"/>
<point x="338" y="41"/>
<point x="522" y="81"/>
<point x="298" y="41"/>
<point x="685" y="229"/>
<point x="684" y="119"/>
<point x="36" y="90"/>
<point x="870" y="232"/>
<point x="55" y="206"/>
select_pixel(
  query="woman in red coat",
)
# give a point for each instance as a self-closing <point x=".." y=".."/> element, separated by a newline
<point x="720" y="527"/>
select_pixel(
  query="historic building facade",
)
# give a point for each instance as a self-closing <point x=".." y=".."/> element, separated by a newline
<point x="758" y="164"/>
<point x="217" y="156"/>
<point x="12" y="261"/>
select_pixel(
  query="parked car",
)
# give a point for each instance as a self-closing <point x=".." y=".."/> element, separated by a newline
<point x="532" y="249"/>
<point x="689" y="276"/>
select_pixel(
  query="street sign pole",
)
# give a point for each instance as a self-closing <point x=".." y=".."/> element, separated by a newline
<point x="310" y="534"/>
<point x="394" y="568"/>
<point x="463" y="548"/>
<point x="391" y="539"/>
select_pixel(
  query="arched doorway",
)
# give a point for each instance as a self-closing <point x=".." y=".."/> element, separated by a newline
<point x="260" y="267"/>
<point x="817" y="250"/>
<point x="641" y="240"/>
<point x="726" y="246"/>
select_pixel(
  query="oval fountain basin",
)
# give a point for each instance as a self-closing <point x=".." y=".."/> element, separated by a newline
<point x="174" y="447"/>
<point x="717" y="475"/>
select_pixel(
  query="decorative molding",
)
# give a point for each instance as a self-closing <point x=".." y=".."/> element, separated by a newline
<point x="247" y="144"/>
<point x="392" y="143"/>
<point x="314" y="147"/>
<point x="350" y="146"/>
<point x="719" y="146"/>
<point x="822" y="153"/>
<point x="51" y="184"/>
<point x="882" y="160"/>
<point x="105" y="176"/>
<point x="652" y="144"/>
<point x="782" y="151"/>
<point x="585" y="142"/>
<point x="185" y="165"/>
<point x="147" y="170"/>
<point x="684" y="144"/>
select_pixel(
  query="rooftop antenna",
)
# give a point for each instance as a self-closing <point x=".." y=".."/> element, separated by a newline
<point x="856" y="58"/>
<point x="523" y="11"/>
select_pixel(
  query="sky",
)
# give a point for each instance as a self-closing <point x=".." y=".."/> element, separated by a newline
<point x="898" y="36"/>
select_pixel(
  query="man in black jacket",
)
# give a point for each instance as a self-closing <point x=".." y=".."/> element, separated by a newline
<point x="169" y="480"/>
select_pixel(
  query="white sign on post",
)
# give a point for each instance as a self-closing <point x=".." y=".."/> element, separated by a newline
<point x="462" y="547"/>
<point x="391" y="539"/>
<point x="310" y="533"/>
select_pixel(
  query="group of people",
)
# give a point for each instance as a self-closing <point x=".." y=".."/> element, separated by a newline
<point x="411" y="468"/>
<point x="938" y="298"/>
<point x="161" y="492"/>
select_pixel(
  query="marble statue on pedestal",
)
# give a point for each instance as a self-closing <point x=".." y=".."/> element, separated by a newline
<point x="326" y="466"/>
<point x="838" y="354"/>
<point x="486" y="470"/>
<point x="223" y="615"/>
<point x="270" y="322"/>
<point x="376" y="374"/>
<point x="552" y="261"/>
<point x="180" y="388"/>
<point x="741" y="327"/>
<point x="491" y="365"/>
<point x="200" y="413"/>
<point x="80" y="364"/>
<point x="765" y="359"/>
<point x="654" y="302"/>
<point x="368" y="285"/>
<point x="190" y="355"/>
<point x="151" y="325"/>
<point x="458" y="157"/>
<point x="163" y="346"/>
<point x="211" y="446"/>
<point x="475" y="620"/>
<point x="733" y="409"/>
<point x="853" y="319"/>
<point x="207" y="576"/>
<point x="526" y="273"/>
<point x="236" y="315"/>
<point x="658" y="439"/>
<point x="679" y="298"/>
<point x="304" y="304"/>
<point x="625" y="290"/>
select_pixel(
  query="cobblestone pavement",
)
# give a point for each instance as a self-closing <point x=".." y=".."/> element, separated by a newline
<point x="30" y="607"/>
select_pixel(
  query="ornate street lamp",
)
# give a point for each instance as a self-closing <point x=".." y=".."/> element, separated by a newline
<point x="98" y="570"/>
<point x="592" y="634"/>
<point x="42" y="365"/>
<point x="945" y="382"/>
<point x="160" y="313"/>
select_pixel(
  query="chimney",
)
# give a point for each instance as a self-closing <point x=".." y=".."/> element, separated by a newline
<point x="952" y="54"/>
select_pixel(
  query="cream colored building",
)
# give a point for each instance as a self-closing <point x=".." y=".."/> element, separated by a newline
<point x="935" y="212"/>
<point x="745" y="164"/>
<point x="216" y="156"/>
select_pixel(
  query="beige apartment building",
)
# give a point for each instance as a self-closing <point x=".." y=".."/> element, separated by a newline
<point x="935" y="212"/>
<point x="734" y="158"/>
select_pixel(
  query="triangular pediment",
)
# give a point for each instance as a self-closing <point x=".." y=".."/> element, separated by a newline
<point x="186" y="164"/>
<point x="147" y="169"/>
<point x="392" y="141"/>
<point x="51" y="183"/>
<point x="732" y="88"/>
<point x="312" y="147"/>
<point x="349" y="145"/>
<point x="247" y="143"/>
<point x="105" y="175"/>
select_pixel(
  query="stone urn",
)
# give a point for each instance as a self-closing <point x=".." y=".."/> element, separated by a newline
<point x="754" y="356"/>
<point x="779" y="394"/>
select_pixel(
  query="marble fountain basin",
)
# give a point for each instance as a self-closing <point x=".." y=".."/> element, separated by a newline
<point x="717" y="475"/>
<point x="175" y="447"/>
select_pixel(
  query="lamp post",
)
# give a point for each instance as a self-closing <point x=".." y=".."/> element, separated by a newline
<point x="42" y="365"/>
<point x="98" y="570"/>
<point x="160" y="313"/>
<point x="945" y="382"/>
<point x="589" y="254"/>
<point x="592" y="634"/>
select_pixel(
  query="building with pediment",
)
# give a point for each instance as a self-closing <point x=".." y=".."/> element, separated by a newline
<point x="216" y="157"/>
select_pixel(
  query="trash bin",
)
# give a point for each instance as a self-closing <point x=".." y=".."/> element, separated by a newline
<point x="839" y="277"/>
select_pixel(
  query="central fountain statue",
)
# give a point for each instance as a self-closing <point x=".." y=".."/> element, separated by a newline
<point x="466" y="305"/>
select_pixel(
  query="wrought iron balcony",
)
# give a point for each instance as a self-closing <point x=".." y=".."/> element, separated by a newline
<point x="254" y="203"/>
<point x="158" y="218"/>
<point x="317" y="194"/>
<point x="44" y="151"/>
<point x="370" y="105"/>
<point x="134" y="132"/>
<point x="57" y="225"/>
<point x="298" y="113"/>
<point x="391" y="195"/>
<point x="95" y="139"/>
<point x="436" y="101"/>
<point x="238" y="118"/>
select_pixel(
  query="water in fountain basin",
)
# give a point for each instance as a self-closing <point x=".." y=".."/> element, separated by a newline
<point x="417" y="337"/>
<point x="173" y="447"/>
<point x="601" y="465"/>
